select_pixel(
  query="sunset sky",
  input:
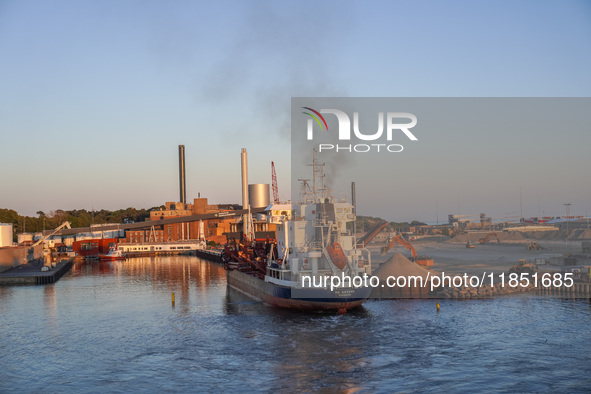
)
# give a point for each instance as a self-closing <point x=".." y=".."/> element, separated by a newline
<point x="96" y="96"/>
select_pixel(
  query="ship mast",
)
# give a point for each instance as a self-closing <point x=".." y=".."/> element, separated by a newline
<point x="305" y="192"/>
<point x="318" y="189"/>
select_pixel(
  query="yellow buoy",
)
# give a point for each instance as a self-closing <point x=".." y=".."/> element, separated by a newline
<point x="438" y="307"/>
<point x="173" y="299"/>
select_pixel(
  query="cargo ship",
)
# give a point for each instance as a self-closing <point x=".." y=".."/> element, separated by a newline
<point x="315" y="242"/>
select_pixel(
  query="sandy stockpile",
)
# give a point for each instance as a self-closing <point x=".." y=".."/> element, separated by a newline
<point x="516" y="236"/>
<point x="503" y="236"/>
<point x="401" y="278"/>
<point x="398" y="265"/>
<point x="559" y="235"/>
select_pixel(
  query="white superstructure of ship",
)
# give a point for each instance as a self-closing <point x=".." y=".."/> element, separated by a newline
<point x="315" y="242"/>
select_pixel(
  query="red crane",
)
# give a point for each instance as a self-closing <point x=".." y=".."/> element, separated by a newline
<point x="421" y="260"/>
<point x="275" y="188"/>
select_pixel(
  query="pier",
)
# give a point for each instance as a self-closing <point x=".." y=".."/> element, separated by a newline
<point x="31" y="274"/>
<point x="577" y="290"/>
<point x="211" y="255"/>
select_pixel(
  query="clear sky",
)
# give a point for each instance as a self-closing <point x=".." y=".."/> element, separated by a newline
<point x="96" y="96"/>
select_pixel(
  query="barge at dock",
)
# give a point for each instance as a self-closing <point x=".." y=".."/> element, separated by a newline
<point x="315" y="240"/>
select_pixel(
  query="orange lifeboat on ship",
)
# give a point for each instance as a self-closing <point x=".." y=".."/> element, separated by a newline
<point x="337" y="255"/>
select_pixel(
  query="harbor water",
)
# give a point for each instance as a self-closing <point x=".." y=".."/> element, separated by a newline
<point x="112" y="326"/>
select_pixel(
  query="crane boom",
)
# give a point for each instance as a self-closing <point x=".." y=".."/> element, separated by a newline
<point x="64" y="224"/>
<point x="274" y="181"/>
<point x="398" y="239"/>
<point x="366" y="239"/>
<point x="421" y="260"/>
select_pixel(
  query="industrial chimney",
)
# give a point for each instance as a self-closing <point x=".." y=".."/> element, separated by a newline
<point x="245" y="205"/>
<point x="182" y="184"/>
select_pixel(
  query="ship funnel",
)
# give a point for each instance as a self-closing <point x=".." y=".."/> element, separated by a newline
<point x="182" y="184"/>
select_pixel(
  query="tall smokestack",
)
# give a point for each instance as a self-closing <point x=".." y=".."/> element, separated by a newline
<point x="245" y="224"/>
<point x="182" y="184"/>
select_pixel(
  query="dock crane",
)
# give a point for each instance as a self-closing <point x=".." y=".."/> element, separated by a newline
<point x="46" y="251"/>
<point x="420" y="260"/>
<point x="274" y="181"/>
<point x="64" y="224"/>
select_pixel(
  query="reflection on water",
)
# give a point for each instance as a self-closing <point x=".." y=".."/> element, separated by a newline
<point x="162" y="269"/>
<point x="170" y="274"/>
<point x="302" y="351"/>
<point x="111" y="326"/>
<point x="50" y="303"/>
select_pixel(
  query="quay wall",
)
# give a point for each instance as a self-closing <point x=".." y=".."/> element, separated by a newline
<point x="31" y="274"/>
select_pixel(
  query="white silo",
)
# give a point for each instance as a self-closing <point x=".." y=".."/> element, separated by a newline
<point x="258" y="195"/>
<point x="5" y="234"/>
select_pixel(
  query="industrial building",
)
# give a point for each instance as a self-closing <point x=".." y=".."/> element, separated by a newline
<point x="210" y="230"/>
<point x="214" y="223"/>
<point x="217" y="230"/>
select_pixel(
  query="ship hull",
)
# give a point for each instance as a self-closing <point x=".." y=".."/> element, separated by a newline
<point x="105" y="257"/>
<point x="301" y="299"/>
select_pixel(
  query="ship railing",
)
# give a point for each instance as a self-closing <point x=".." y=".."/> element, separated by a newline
<point x="300" y="249"/>
<point x="308" y="247"/>
<point x="314" y="245"/>
<point x="310" y="243"/>
<point x="320" y="223"/>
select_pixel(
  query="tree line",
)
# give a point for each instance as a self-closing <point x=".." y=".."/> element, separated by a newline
<point x="76" y="217"/>
<point x="84" y="218"/>
<point x="364" y="223"/>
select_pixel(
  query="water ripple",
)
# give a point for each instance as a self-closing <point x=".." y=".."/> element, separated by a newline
<point x="115" y="329"/>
